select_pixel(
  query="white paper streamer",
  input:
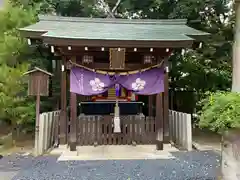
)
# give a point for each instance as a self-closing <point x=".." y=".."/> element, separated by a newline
<point x="116" y="119"/>
<point x="52" y="49"/>
<point x="29" y="42"/>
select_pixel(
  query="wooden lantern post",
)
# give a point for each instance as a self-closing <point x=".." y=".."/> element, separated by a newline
<point x="38" y="84"/>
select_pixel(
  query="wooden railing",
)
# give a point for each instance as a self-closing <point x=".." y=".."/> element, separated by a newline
<point x="99" y="130"/>
<point x="180" y="128"/>
<point x="48" y="131"/>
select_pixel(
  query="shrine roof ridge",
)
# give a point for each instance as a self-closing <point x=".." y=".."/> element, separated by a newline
<point x="113" y="20"/>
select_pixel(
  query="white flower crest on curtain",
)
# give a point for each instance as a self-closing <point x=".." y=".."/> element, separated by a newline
<point x="97" y="84"/>
<point x="138" y="85"/>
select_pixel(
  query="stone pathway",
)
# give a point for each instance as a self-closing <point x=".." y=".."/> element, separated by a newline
<point x="115" y="152"/>
<point x="194" y="165"/>
<point x="205" y="140"/>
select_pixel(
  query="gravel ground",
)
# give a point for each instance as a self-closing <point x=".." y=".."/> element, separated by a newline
<point x="186" y="166"/>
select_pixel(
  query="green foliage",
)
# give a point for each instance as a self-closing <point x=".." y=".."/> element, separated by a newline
<point x="212" y="62"/>
<point x="15" y="106"/>
<point x="14" y="17"/>
<point x="220" y="111"/>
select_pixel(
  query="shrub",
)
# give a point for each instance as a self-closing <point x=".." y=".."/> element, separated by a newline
<point x="220" y="111"/>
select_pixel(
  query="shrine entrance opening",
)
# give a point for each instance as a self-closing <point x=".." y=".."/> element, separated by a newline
<point x="112" y="113"/>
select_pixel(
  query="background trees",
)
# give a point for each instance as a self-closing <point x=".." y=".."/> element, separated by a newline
<point x="15" y="107"/>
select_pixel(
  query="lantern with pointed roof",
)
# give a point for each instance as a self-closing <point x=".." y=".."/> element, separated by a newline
<point x="38" y="82"/>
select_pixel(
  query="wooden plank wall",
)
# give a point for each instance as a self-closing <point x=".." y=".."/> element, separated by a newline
<point x="98" y="130"/>
<point x="180" y="127"/>
<point x="48" y="131"/>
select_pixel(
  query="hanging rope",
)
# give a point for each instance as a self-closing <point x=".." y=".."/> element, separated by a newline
<point x="118" y="73"/>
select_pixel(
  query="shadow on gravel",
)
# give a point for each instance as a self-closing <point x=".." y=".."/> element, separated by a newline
<point x="195" y="165"/>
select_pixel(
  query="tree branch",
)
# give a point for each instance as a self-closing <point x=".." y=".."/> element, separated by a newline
<point x="107" y="9"/>
<point x="116" y="6"/>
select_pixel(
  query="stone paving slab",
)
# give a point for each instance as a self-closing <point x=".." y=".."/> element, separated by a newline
<point x="8" y="175"/>
<point x="114" y="152"/>
<point x="207" y="146"/>
<point x="206" y="140"/>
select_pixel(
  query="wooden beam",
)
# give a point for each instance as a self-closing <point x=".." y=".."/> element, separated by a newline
<point x="73" y="119"/>
<point x="166" y="104"/>
<point x="105" y="66"/>
<point x="159" y="121"/>
<point x="63" y="117"/>
<point x="80" y="50"/>
<point x="57" y="77"/>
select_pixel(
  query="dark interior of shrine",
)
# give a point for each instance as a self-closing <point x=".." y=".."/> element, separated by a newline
<point x="107" y="108"/>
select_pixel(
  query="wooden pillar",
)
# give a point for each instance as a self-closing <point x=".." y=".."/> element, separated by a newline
<point x="57" y="79"/>
<point x="166" y="105"/>
<point x="150" y="105"/>
<point x="159" y="121"/>
<point x="63" y="117"/>
<point x="37" y="118"/>
<point x="73" y="119"/>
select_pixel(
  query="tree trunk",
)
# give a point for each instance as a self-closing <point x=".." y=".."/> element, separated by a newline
<point x="236" y="53"/>
<point x="230" y="155"/>
<point x="14" y="133"/>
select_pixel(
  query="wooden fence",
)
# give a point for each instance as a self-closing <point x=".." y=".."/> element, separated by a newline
<point x="48" y="131"/>
<point x="180" y="128"/>
<point x="99" y="130"/>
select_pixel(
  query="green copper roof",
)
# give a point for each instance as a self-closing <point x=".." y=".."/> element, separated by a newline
<point x="113" y="29"/>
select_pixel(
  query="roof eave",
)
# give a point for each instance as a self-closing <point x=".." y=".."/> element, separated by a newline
<point x="199" y="37"/>
<point x="119" y="43"/>
<point x="31" y="34"/>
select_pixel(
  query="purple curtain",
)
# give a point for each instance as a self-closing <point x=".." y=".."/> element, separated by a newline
<point x="144" y="83"/>
<point x="88" y="83"/>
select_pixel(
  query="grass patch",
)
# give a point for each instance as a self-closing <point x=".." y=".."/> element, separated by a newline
<point x="25" y="143"/>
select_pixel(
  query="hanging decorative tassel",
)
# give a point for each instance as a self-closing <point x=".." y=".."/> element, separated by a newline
<point x="133" y="97"/>
<point x="116" y="119"/>
<point x="118" y="90"/>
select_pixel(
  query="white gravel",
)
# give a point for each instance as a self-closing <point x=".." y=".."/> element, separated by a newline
<point x="186" y="166"/>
